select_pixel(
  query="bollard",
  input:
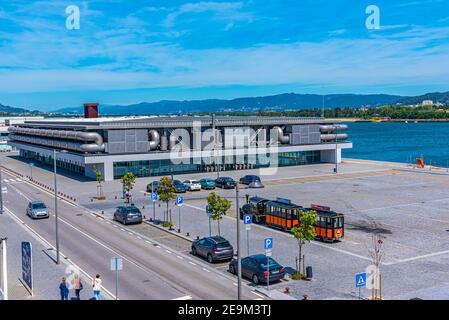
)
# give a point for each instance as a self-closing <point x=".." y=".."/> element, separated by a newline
<point x="143" y="207"/>
<point x="91" y="200"/>
<point x="197" y="237"/>
<point x="287" y="290"/>
<point x="102" y="211"/>
<point x="179" y="230"/>
<point x="188" y="234"/>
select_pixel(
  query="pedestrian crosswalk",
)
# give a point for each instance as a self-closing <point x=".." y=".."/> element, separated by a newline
<point x="12" y="180"/>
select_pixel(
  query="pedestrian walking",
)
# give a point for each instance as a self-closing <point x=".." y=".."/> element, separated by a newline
<point x="78" y="285"/>
<point x="96" y="284"/>
<point x="63" y="289"/>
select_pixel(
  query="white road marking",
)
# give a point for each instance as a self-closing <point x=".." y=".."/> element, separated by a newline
<point x="130" y="233"/>
<point x="179" y="257"/>
<point x="205" y="269"/>
<point x="139" y="238"/>
<point x="147" y="241"/>
<point x="417" y="258"/>
<point x="194" y="264"/>
<point x="235" y="284"/>
<point x="259" y="295"/>
<point x="168" y="251"/>
<point x="183" y="298"/>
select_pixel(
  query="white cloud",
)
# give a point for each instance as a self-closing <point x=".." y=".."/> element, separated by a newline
<point x="218" y="7"/>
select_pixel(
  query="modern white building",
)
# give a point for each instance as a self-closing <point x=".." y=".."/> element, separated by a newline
<point x="155" y="146"/>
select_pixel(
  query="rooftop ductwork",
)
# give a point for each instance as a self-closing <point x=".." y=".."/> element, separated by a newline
<point x="155" y="139"/>
<point x="333" y="127"/>
<point x="280" y="135"/>
<point x="96" y="138"/>
<point x="332" y="137"/>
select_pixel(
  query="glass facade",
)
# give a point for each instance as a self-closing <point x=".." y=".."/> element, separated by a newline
<point x="48" y="160"/>
<point x="147" y="168"/>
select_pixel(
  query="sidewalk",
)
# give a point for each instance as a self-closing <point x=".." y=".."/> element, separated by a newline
<point x="46" y="274"/>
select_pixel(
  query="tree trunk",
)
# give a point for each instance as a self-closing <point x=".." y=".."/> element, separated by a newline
<point x="218" y="221"/>
<point x="300" y="256"/>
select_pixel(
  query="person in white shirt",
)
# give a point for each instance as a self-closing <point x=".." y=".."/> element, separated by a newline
<point x="96" y="284"/>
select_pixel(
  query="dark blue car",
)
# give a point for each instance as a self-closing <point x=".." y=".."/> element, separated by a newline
<point x="255" y="268"/>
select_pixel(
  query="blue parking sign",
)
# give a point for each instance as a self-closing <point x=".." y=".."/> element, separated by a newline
<point x="179" y="201"/>
<point x="154" y="196"/>
<point x="247" y="219"/>
<point x="360" y="280"/>
<point x="268" y="243"/>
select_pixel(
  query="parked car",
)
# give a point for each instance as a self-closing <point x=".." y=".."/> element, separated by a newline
<point x="213" y="248"/>
<point x="127" y="215"/>
<point x="248" y="179"/>
<point x="255" y="268"/>
<point x="225" y="183"/>
<point x="179" y="186"/>
<point x="256" y="184"/>
<point x="153" y="186"/>
<point x="192" y="185"/>
<point x="207" y="183"/>
<point x="37" y="210"/>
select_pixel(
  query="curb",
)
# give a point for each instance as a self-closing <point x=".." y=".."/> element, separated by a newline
<point x="168" y="231"/>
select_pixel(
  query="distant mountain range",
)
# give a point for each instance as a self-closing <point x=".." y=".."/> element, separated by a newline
<point x="8" y="109"/>
<point x="286" y="101"/>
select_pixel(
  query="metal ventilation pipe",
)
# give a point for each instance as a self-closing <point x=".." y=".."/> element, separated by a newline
<point x="96" y="138"/>
<point x="332" y="137"/>
<point x="281" y="137"/>
<point x="155" y="139"/>
<point x="331" y="128"/>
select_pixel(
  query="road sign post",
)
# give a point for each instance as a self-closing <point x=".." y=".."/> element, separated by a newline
<point x="360" y="281"/>
<point x="1" y="192"/>
<point x="116" y="265"/>
<point x="208" y="213"/>
<point x="179" y="202"/>
<point x="153" y="199"/>
<point x="31" y="170"/>
<point x="268" y="246"/>
<point x="247" y="220"/>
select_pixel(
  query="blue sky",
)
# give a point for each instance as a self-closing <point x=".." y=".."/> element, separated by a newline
<point x="133" y="51"/>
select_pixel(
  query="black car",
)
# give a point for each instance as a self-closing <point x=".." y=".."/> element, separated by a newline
<point x="249" y="179"/>
<point x="213" y="248"/>
<point x="153" y="186"/>
<point x="179" y="186"/>
<point x="255" y="268"/>
<point x="225" y="183"/>
<point x="127" y="215"/>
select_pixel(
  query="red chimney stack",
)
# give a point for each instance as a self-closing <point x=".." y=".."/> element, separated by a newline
<point x="91" y="110"/>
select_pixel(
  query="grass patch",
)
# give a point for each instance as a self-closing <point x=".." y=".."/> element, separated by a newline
<point x="297" y="276"/>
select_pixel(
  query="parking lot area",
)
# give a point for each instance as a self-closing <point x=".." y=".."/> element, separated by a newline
<point x="408" y="208"/>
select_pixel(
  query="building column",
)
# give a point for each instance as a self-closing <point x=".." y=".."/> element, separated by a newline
<point x="328" y="156"/>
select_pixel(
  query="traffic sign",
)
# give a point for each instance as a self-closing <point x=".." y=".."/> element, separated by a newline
<point x="154" y="196"/>
<point x="268" y="243"/>
<point x="31" y="164"/>
<point x="116" y="264"/>
<point x="360" y="280"/>
<point x="179" y="201"/>
<point x="27" y="264"/>
<point x="248" y="220"/>
<point x="208" y="210"/>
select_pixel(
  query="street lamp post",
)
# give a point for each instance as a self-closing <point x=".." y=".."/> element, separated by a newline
<point x="56" y="203"/>
<point x="336" y="150"/>
<point x="239" y="255"/>
<point x="4" y="263"/>
<point x="1" y="192"/>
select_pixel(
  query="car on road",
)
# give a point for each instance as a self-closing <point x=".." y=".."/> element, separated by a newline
<point x="179" y="186"/>
<point x="255" y="268"/>
<point x="37" y="210"/>
<point x="192" y="185"/>
<point x="128" y="214"/>
<point x="207" y="183"/>
<point x="248" y="179"/>
<point x="256" y="184"/>
<point x="225" y="183"/>
<point x="153" y="186"/>
<point x="213" y="249"/>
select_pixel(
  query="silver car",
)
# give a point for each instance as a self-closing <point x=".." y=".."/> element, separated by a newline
<point x="37" y="210"/>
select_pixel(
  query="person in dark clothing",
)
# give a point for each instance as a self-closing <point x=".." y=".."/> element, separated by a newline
<point x="64" y="290"/>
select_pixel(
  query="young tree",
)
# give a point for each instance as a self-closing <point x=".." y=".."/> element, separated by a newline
<point x="128" y="181"/>
<point x="304" y="232"/>
<point x="100" y="179"/>
<point x="377" y="254"/>
<point x="166" y="192"/>
<point x="218" y="206"/>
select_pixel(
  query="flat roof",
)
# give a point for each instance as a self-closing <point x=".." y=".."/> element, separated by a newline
<point x="166" y="122"/>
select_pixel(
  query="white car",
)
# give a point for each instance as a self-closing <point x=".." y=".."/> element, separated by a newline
<point x="192" y="185"/>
